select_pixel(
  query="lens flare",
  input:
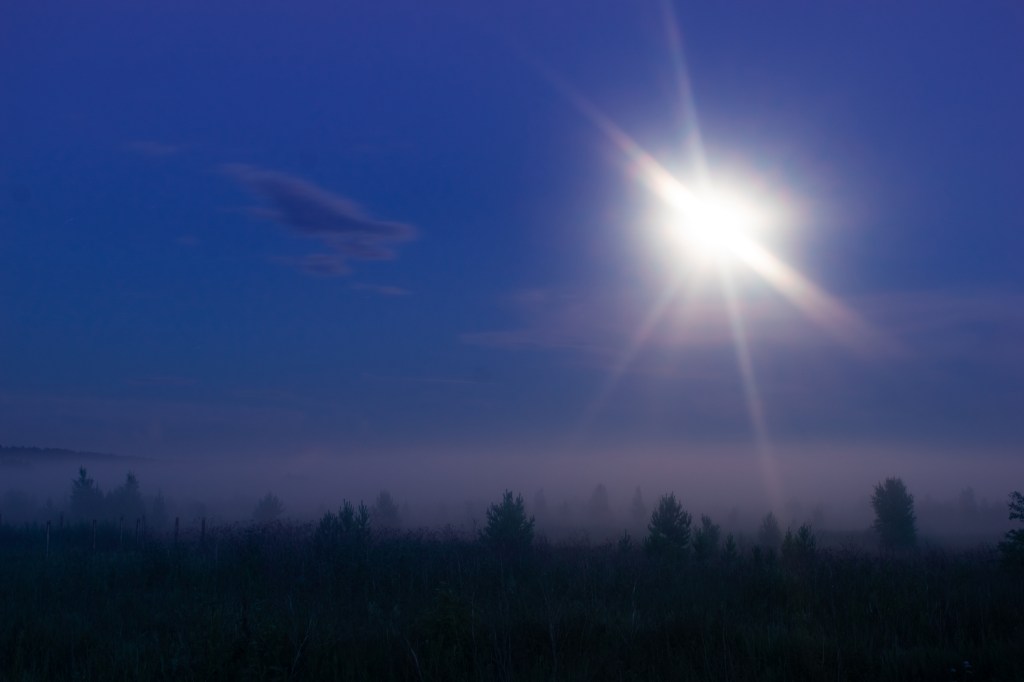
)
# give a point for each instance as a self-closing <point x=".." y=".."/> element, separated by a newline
<point x="719" y="225"/>
<point x="711" y="223"/>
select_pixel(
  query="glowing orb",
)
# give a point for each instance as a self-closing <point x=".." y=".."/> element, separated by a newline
<point x="711" y="223"/>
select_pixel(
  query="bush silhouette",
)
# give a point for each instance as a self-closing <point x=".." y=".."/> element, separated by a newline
<point x="895" y="522"/>
<point x="508" y="529"/>
<point x="668" y="533"/>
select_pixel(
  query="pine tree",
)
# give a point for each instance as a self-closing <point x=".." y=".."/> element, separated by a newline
<point x="1012" y="546"/>
<point x="668" y="533"/>
<point x="86" y="498"/>
<point x="509" y="531"/>
<point x="895" y="521"/>
<point x="385" y="512"/>
<point x="268" y="509"/>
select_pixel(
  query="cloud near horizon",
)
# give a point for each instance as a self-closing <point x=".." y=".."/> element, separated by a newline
<point x="926" y="324"/>
<point x="310" y="211"/>
<point x="958" y="376"/>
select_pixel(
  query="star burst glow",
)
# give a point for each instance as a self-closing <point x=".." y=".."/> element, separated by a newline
<point x="720" y="226"/>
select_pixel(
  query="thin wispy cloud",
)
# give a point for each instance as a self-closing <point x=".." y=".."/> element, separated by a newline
<point x="381" y="289"/>
<point x="340" y="225"/>
<point x="441" y="380"/>
<point x="161" y="381"/>
<point x="318" y="264"/>
<point x="930" y="325"/>
<point x="152" y="148"/>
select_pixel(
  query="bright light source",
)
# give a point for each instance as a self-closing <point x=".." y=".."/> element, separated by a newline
<point x="710" y="223"/>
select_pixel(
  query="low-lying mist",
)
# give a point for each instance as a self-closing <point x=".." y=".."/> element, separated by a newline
<point x="586" y="495"/>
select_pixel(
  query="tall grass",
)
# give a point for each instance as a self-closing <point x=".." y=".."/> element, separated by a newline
<point x="276" y="602"/>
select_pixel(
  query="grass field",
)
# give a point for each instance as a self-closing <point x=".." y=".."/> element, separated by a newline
<point x="277" y="602"/>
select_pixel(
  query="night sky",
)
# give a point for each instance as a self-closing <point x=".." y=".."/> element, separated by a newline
<point x="357" y="228"/>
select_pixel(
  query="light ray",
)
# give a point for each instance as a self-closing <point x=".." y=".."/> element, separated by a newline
<point x="637" y="342"/>
<point x="691" y="120"/>
<point x="810" y="299"/>
<point x="751" y="394"/>
<point x="815" y="303"/>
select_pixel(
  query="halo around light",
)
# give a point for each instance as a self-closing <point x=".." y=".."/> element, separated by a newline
<point x="711" y="223"/>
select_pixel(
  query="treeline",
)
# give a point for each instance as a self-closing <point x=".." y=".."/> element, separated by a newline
<point x="87" y="503"/>
<point x="965" y="520"/>
<point x="341" y="598"/>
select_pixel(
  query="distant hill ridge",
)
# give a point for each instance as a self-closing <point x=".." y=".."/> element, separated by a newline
<point x="25" y="455"/>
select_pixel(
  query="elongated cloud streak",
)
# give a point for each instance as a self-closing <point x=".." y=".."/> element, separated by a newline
<point x="311" y="211"/>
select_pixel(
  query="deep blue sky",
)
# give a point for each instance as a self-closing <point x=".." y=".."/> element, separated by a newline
<point x="155" y="292"/>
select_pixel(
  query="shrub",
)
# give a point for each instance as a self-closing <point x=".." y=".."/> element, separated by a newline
<point x="668" y="533"/>
<point x="895" y="522"/>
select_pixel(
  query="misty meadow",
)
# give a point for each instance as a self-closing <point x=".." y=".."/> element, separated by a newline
<point x="116" y="584"/>
<point x="537" y="340"/>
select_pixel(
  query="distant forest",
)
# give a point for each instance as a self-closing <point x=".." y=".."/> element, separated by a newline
<point x="964" y="520"/>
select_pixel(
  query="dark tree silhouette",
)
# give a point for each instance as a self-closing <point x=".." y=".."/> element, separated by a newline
<point x="508" y="530"/>
<point x="895" y="521"/>
<point x="385" y="512"/>
<point x="158" y="514"/>
<point x="769" y="535"/>
<point x="705" y="540"/>
<point x="268" y="509"/>
<point x="798" y="549"/>
<point x="86" y="497"/>
<point x="599" y="508"/>
<point x="668" y="533"/>
<point x="125" y="501"/>
<point x="342" y="531"/>
<point x="1012" y="546"/>
<point x="730" y="551"/>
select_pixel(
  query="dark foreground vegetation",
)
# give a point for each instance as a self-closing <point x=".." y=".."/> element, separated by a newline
<point x="336" y="600"/>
